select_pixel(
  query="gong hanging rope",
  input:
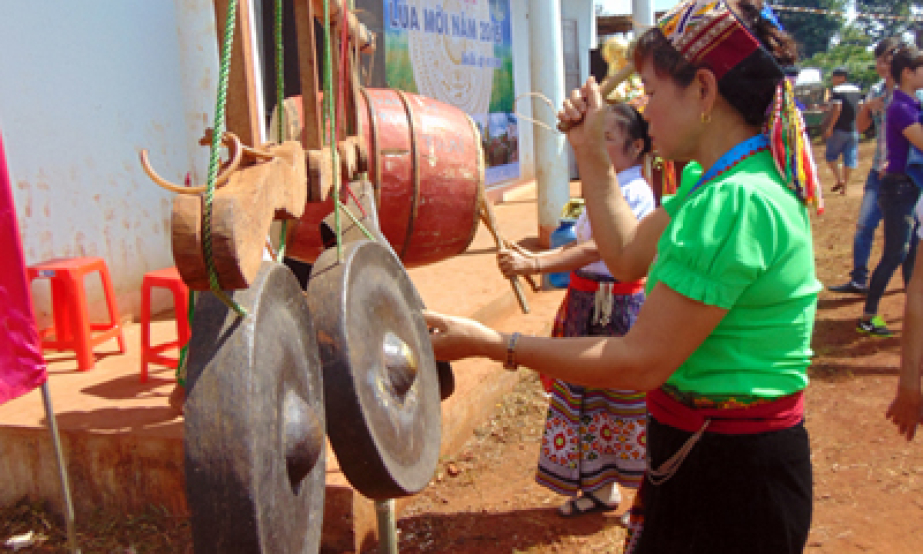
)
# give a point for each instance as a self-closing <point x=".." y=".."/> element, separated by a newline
<point x="333" y="130"/>
<point x="218" y="132"/>
<point x="280" y="99"/>
<point x="341" y="107"/>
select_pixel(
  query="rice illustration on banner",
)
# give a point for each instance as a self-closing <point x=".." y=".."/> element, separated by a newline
<point x="452" y="54"/>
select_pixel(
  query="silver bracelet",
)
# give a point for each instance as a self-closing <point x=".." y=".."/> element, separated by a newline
<point x="510" y="363"/>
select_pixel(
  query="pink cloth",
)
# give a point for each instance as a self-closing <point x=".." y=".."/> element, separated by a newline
<point x="22" y="366"/>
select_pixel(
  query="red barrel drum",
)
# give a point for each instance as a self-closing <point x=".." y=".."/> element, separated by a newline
<point x="426" y="162"/>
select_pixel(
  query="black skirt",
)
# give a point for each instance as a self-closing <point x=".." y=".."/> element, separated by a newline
<point x="733" y="494"/>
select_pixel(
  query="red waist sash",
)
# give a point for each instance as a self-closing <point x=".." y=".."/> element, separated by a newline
<point x="582" y="284"/>
<point x="775" y="415"/>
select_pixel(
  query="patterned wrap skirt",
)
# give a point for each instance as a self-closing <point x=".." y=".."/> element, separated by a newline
<point x="593" y="437"/>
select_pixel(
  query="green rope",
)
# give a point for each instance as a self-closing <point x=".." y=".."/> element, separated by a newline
<point x="217" y="133"/>
<point x="184" y="351"/>
<point x="358" y="224"/>
<point x="280" y="78"/>
<point x="280" y="108"/>
<point x="331" y="126"/>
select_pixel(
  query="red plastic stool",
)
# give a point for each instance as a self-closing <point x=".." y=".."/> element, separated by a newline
<point x="167" y="278"/>
<point x="72" y="329"/>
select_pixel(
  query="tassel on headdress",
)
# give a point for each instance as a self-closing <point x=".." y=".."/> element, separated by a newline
<point x="791" y="148"/>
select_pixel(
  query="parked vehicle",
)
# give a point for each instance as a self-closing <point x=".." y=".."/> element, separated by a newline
<point x="811" y="92"/>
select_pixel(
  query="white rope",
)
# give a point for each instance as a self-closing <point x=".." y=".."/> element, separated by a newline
<point x="540" y="96"/>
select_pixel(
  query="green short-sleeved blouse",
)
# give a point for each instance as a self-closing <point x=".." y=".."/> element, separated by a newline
<point x="743" y="242"/>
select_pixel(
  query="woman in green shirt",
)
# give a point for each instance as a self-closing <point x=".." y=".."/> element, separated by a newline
<point x="722" y="344"/>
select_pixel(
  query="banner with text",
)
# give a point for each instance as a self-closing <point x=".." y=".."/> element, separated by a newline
<point x="459" y="52"/>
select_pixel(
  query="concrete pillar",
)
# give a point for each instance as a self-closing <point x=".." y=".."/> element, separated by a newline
<point x="642" y="15"/>
<point x="547" y="68"/>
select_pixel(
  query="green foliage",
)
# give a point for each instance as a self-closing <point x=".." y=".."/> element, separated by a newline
<point x="399" y="72"/>
<point x="812" y="31"/>
<point x="852" y="51"/>
<point x="879" y="28"/>
<point x="502" y="94"/>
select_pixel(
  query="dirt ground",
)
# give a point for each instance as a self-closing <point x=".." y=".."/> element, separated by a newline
<point x="484" y="500"/>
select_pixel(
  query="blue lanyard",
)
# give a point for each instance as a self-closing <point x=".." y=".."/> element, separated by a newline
<point x="731" y="157"/>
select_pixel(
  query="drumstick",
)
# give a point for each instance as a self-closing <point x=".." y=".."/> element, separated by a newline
<point x="507" y="244"/>
<point x="487" y="216"/>
<point x="605" y="88"/>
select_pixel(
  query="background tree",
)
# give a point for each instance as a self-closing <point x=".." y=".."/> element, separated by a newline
<point x="879" y="28"/>
<point x="852" y="50"/>
<point x="812" y="31"/>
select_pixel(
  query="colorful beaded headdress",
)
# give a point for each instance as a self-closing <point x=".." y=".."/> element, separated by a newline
<point x="708" y="33"/>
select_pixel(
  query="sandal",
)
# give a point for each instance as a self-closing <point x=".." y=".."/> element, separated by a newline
<point x="572" y="508"/>
<point x="837" y="187"/>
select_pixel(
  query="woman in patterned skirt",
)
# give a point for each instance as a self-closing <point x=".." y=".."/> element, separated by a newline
<point x="594" y="438"/>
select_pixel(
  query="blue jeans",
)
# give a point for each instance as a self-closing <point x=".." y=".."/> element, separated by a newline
<point x="843" y="143"/>
<point x="896" y="199"/>
<point x="869" y="218"/>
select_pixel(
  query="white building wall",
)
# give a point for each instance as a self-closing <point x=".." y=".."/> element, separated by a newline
<point x="583" y="12"/>
<point x="84" y="86"/>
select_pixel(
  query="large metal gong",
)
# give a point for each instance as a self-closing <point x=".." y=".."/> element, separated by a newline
<point x="381" y="386"/>
<point x="255" y="462"/>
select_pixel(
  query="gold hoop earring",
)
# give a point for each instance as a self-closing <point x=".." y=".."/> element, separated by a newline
<point x="706" y="118"/>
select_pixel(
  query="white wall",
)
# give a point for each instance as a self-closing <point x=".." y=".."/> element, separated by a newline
<point x="583" y="12"/>
<point x="83" y="87"/>
<point x="86" y="85"/>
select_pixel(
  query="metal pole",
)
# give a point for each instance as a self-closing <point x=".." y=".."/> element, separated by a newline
<point x="387" y="526"/>
<point x="547" y="69"/>
<point x="62" y="470"/>
<point x="642" y="15"/>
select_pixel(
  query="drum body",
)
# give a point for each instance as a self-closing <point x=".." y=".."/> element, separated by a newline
<point x="427" y="165"/>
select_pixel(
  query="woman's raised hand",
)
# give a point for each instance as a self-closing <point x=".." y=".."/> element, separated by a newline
<point x="584" y="111"/>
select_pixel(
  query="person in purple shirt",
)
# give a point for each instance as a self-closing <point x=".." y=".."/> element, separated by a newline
<point x="898" y="194"/>
<point x="872" y="112"/>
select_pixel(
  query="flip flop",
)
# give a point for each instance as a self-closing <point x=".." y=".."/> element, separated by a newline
<point x="837" y="187"/>
<point x="575" y="509"/>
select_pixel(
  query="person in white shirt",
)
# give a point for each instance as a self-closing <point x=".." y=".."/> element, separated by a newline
<point x="594" y="438"/>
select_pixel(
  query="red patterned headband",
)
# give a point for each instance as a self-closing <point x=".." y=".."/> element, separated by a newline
<point x="709" y="33"/>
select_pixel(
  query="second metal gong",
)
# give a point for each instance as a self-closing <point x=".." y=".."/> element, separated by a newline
<point x="255" y="449"/>
<point x="381" y="386"/>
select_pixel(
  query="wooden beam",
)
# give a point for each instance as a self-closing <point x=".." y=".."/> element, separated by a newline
<point x="242" y="107"/>
<point x="311" y="118"/>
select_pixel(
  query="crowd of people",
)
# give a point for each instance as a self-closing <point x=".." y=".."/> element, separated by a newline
<point x="725" y="268"/>
<point x="890" y="194"/>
